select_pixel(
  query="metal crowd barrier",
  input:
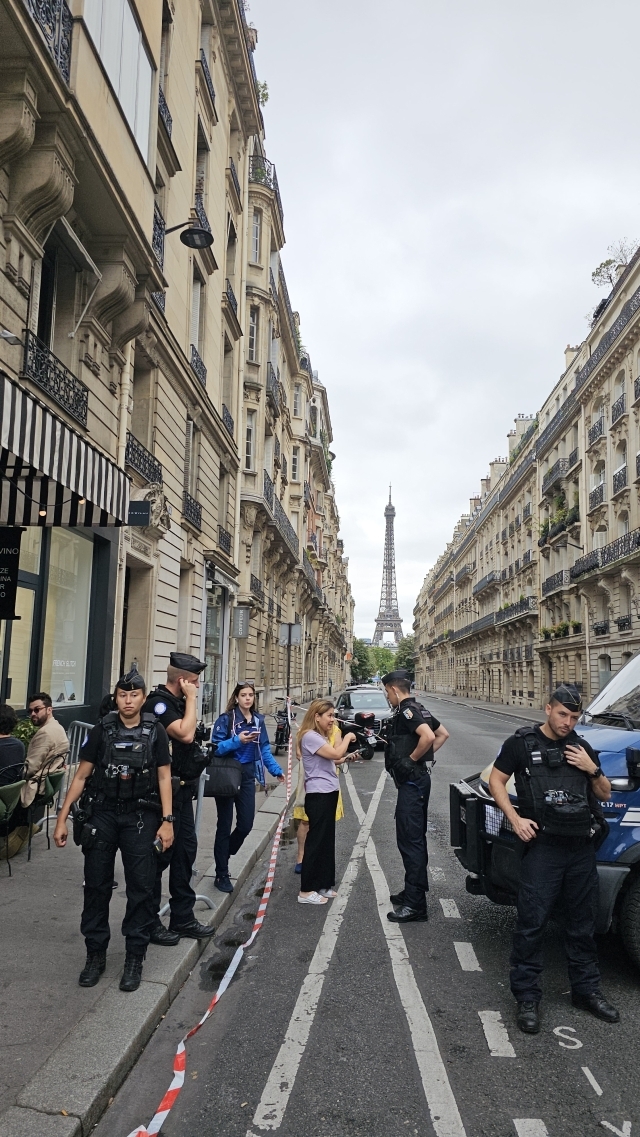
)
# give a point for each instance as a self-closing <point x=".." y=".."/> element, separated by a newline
<point x="76" y="733"/>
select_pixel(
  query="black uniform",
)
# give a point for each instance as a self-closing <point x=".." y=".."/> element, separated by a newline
<point x="125" y="814"/>
<point x="413" y="782"/>
<point x="186" y="765"/>
<point x="559" y="864"/>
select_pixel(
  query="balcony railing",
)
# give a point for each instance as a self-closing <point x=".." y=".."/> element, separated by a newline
<point x="624" y="623"/>
<point x="308" y="569"/>
<point x="446" y="584"/>
<point x="267" y="489"/>
<point x="197" y="366"/>
<point x="526" y="512"/>
<point x="526" y="558"/>
<point x="227" y="419"/>
<point x="191" y="510"/>
<point x="528" y="651"/>
<point x="558" y="470"/>
<point x="636" y="389"/>
<point x="142" y="461"/>
<point x="231" y="298"/>
<point x="285" y="526"/>
<point x="308" y="497"/>
<point x="619" y="408"/>
<point x="54" y="20"/>
<point x="492" y="577"/>
<point x="585" y="564"/>
<point x="610" y="336"/>
<point x="207" y="76"/>
<point x="505" y="533"/>
<point x="573" y="458"/>
<point x="164" y="112"/>
<point x="619" y="479"/>
<point x="517" y="521"/>
<point x="596" y="497"/>
<point x="273" y="390"/>
<point x="263" y="172"/>
<point x="621" y="547"/>
<point x="596" y="431"/>
<point x="234" y="177"/>
<point x="224" y="539"/>
<point x="512" y="528"/>
<point x="466" y="570"/>
<point x="285" y="468"/>
<point x="256" y="587"/>
<point x="601" y="628"/>
<point x="276" y="453"/>
<point x="45" y="369"/>
<point x="201" y="212"/>
<point x="558" y="580"/>
<point x="520" y="608"/>
<point x="279" y="611"/>
<point x="157" y="241"/>
<point x="272" y="284"/>
<point x="312" y="539"/>
<point x="270" y="606"/>
<point x="160" y="300"/>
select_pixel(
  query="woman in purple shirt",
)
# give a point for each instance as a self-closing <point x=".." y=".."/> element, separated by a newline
<point x="321" y="796"/>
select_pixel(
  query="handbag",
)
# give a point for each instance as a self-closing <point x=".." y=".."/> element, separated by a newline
<point x="225" y="776"/>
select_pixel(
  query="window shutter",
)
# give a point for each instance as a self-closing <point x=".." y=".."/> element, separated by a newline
<point x="195" y="314"/>
<point x="188" y="455"/>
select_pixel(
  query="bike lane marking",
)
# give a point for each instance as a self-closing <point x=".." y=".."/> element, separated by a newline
<point x="496" y="1035"/>
<point x="590" y="1078"/>
<point x="530" y="1127"/>
<point x="450" y="909"/>
<point x="467" y="957"/>
<point x="280" y="1083"/>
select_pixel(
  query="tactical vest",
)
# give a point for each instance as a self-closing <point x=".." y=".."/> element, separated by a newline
<point x="126" y="772"/>
<point x="551" y="791"/>
<point x="399" y="747"/>
<point x="188" y="759"/>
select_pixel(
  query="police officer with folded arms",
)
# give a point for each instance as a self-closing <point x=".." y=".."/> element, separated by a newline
<point x="412" y="737"/>
<point x="558" y="783"/>
<point x="123" y="787"/>
<point x="175" y="705"/>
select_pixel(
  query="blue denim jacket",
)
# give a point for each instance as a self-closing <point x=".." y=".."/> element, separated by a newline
<point x="226" y="732"/>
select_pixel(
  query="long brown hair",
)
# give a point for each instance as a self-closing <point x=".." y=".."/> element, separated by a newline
<point x="318" y="707"/>
<point x="233" y="701"/>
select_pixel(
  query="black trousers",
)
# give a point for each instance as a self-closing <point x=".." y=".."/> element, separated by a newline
<point x="180" y="857"/>
<point x="133" y="834"/>
<point x="552" y="874"/>
<point x="319" y="862"/>
<point x="227" y="843"/>
<point x="411" y="836"/>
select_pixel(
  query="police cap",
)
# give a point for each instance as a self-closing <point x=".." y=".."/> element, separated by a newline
<point x="400" y="676"/>
<point x="132" y="681"/>
<point x="185" y="662"/>
<point x="569" y="696"/>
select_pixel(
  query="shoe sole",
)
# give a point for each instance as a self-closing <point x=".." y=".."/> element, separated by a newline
<point x="602" y="1019"/>
<point x="193" y="936"/>
<point x="528" y="1029"/>
<point x="412" y="919"/>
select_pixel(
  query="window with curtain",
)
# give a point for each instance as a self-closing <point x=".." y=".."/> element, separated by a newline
<point x="250" y="441"/>
<point x="118" y="41"/>
<point x="297" y="400"/>
<point x="295" y="464"/>
<point x="256" y="226"/>
<point x="254" y="317"/>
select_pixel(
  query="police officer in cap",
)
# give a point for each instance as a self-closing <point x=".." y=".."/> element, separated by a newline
<point x="412" y="736"/>
<point x="123" y="786"/>
<point x="558" y="783"/>
<point x="174" y="703"/>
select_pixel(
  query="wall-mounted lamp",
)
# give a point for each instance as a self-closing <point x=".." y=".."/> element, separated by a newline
<point x="195" y="237"/>
<point x="9" y="337"/>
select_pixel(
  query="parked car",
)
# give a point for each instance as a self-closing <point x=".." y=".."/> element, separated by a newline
<point x="364" y="698"/>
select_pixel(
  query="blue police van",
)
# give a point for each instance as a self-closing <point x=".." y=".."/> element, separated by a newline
<point x="488" y="849"/>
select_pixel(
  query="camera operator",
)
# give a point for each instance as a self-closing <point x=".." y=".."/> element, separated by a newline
<point x="174" y="704"/>
<point x="123" y="785"/>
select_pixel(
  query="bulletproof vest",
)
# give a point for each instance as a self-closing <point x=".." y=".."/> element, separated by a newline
<point x="550" y="790"/>
<point x="188" y="759"/>
<point x="399" y="746"/>
<point x="127" y="769"/>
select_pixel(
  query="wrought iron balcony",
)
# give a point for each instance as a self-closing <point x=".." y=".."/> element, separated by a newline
<point x="234" y="178"/>
<point x="558" y="470"/>
<point x="142" y="461"/>
<point x="505" y="533"/>
<point x="285" y="474"/>
<point x="207" y="76"/>
<point x="619" y="479"/>
<point x="267" y="489"/>
<point x="585" y="564"/>
<point x="573" y="458"/>
<point x="526" y="558"/>
<point x="601" y="628"/>
<point x="227" y="419"/>
<point x="503" y="574"/>
<point x="516" y="565"/>
<point x="596" y="431"/>
<point x="528" y="651"/>
<point x="308" y="497"/>
<point x="285" y="526"/>
<point x="279" y="611"/>
<point x="44" y="368"/>
<point x="636" y="389"/>
<point x="520" y="608"/>
<point x="55" y="22"/>
<point x="191" y="510"/>
<point x="224" y="540"/>
<point x="526" y="512"/>
<point x="558" y="580"/>
<point x="624" y="623"/>
<point x="201" y="212"/>
<point x="619" y="408"/>
<point x="157" y="241"/>
<point x="230" y="295"/>
<point x="621" y="547"/>
<point x="492" y="577"/>
<point x="197" y="366"/>
<point x="165" y="113"/>
<point x="308" y="569"/>
<point x="263" y="172"/>
<point x="160" y="300"/>
<point x="596" y="497"/>
<point x="273" y="390"/>
<point x="256" y="587"/>
<point x="466" y="570"/>
<point x="517" y="521"/>
<point x="272" y="284"/>
<point x="512" y="528"/>
<point x="270" y="606"/>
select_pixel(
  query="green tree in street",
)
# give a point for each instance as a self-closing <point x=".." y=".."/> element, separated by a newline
<point x="362" y="666"/>
<point x="383" y="659"/>
<point x="406" y="655"/>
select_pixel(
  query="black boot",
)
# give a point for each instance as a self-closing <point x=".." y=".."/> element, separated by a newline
<point x="93" y="968"/>
<point x="398" y="899"/>
<point x="163" y="936"/>
<point x="132" y="973"/>
<point x="528" y="1018"/>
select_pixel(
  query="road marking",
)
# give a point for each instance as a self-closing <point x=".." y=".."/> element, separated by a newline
<point x="450" y="909"/>
<point x="445" y="1116"/>
<point x="590" y="1078"/>
<point x="530" y="1127"/>
<point x="624" y="1132"/>
<point x="277" y="1091"/>
<point x="468" y="959"/>
<point x="436" y="872"/>
<point x="569" y="1043"/>
<point x="497" y="1038"/>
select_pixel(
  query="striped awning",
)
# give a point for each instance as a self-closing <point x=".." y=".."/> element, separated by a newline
<point x="49" y="475"/>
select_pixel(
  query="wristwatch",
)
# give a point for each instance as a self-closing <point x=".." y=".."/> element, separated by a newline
<point x="172" y="817"/>
<point x="597" y="773"/>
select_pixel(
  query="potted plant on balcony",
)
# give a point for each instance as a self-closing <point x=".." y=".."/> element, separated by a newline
<point x="544" y="533"/>
<point x="545" y="633"/>
<point x="562" y="629"/>
<point x="576" y="626"/>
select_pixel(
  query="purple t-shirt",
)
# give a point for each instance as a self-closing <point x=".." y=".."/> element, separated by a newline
<point x="319" y="773"/>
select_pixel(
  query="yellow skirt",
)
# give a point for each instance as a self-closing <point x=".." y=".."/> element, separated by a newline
<point x="300" y="815"/>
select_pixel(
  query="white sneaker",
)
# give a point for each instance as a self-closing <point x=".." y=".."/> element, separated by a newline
<point x="312" y="898"/>
<point x="328" y="892"/>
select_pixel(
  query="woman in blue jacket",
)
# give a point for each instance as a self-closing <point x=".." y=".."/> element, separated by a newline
<point x="240" y="731"/>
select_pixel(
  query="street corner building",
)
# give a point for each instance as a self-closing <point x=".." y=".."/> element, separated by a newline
<point x="540" y="583"/>
<point x="165" y="445"/>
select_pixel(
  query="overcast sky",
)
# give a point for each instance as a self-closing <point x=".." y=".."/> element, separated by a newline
<point x="451" y="173"/>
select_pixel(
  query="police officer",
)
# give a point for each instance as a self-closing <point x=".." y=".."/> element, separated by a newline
<point x="123" y="782"/>
<point x="174" y="704"/>
<point x="412" y="736"/>
<point x="558" y="783"/>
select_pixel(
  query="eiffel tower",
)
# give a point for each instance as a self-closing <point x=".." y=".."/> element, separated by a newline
<point x="388" y="618"/>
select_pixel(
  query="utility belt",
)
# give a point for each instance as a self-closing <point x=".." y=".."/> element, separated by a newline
<point x="85" y="833"/>
<point x="398" y="762"/>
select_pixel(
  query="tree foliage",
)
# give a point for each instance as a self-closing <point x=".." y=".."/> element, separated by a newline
<point x="406" y="655"/>
<point x="384" y="659"/>
<point x="362" y="666"/>
<point x="620" y="253"/>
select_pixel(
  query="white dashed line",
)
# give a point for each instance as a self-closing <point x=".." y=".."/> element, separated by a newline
<point x="530" y="1127"/>
<point x="590" y="1078"/>
<point x="497" y="1038"/>
<point x="450" y="909"/>
<point x="467" y="958"/>
<point x="436" y="872"/>
<point x="624" y="1132"/>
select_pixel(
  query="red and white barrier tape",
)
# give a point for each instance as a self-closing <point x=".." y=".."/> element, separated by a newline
<point x="180" y="1060"/>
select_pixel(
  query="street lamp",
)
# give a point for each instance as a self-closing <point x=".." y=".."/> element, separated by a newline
<point x="195" y="237"/>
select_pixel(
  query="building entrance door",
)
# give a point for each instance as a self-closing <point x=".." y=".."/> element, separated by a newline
<point x="15" y="649"/>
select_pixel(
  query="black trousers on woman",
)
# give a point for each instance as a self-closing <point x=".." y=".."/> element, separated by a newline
<point x="319" y="861"/>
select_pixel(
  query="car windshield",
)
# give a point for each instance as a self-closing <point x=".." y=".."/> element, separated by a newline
<point x="368" y="701"/>
<point x="619" y="702"/>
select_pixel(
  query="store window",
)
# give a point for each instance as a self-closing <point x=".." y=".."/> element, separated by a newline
<point x="64" y="655"/>
<point x="212" y="676"/>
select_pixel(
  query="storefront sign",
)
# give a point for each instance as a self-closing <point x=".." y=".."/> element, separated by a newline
<point x="9" y="560"/>
<point x="139" y="513"/>
<point x="240" y="623"/>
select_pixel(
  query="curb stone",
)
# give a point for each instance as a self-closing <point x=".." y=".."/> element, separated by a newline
<point x="92" y="1062"/>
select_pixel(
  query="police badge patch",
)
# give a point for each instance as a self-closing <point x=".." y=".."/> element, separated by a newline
<point x="159" y="708"/>
<point x="408" y="714"/>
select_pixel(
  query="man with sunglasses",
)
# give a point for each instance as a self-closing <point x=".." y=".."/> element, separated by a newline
<point x="48" y="747"/>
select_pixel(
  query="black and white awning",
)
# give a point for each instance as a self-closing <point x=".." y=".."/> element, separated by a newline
<point x="49" y="475"/>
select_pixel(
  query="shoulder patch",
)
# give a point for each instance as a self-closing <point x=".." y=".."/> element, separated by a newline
<point x="408" y="714"/>
<point x="159" y="708"/>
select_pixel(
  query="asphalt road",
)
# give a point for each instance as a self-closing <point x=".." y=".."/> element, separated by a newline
<point x="338" y="1024"/>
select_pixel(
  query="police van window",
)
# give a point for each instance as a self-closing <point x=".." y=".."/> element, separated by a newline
<point x="620" y="699"/>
